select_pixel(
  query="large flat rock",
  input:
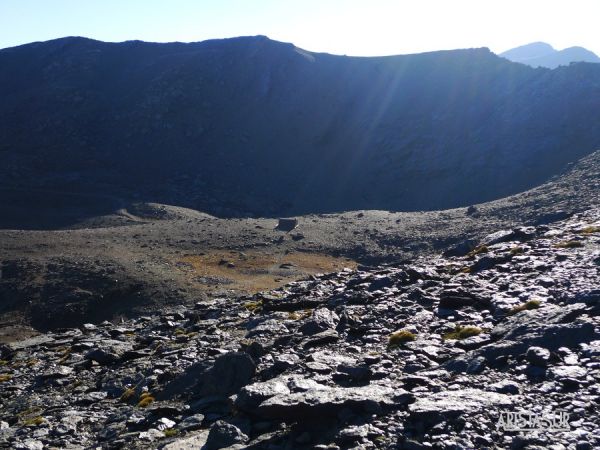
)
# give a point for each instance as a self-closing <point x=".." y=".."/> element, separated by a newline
<point x="329" y="401"/>
<point x="444" y="404"/>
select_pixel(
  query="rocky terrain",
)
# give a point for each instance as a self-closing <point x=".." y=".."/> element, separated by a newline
<point x="239" y="243"/>
<point x="250" y="127"/>
<point x="432" y="353"/>
<point x="137" y="260"/>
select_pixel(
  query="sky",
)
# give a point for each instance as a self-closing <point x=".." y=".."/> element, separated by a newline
<point x="345" y="27"/>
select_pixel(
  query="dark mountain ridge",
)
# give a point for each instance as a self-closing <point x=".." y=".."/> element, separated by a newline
<point x="254" y="126"/>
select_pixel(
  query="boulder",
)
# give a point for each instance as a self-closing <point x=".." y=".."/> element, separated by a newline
<point x="322" y="319"/>
<point x="109" y="352"/>
<point x="229" y="373"/>
<point x="538" y="356"/>
<point x="462" y="248"/>
<point x="222" y="435"/>
<point x="322" y="338"/>
<point x="287" y="224"/>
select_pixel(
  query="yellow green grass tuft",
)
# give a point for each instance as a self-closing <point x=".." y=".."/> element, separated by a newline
<point x="253" y="306"/>
<point x="591" y="229"/>
<point x="145" y="400"/>
<point x="528" y="305"/>
<point x="33" y="421"/>
<point x="127" y="395"/>
<point x="478" y="250"/>
<point x="569" y="244"/>
<point x="461" y="332"/>
<point x="400" y="337"/>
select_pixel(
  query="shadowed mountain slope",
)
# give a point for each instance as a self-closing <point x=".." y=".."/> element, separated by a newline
<point x="254" y="126"/>
<point x="146" y="258"/>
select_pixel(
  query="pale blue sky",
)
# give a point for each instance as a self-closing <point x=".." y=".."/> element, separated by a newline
<point x="353" y="27"/>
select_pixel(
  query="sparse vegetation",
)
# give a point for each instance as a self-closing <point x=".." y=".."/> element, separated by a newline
<point x="295" y="315"/>
<point x="461" y="332"/>
<point x="401" y="337"/>
<point x="379" y="439"/>
<point x="591" y="229"/>
<point x="170" y="432"/>
<point x="569" y="244"/>
<point x="255" y="271"/>
<point x="33" y="421"/>
<point x="5" y="377"/>
<point x="64" y="353"/>
<point x="478" y="250"/>
<point x="145" y="400"/>
<point x="528" y="305"/>
<point x="455" y="269"/>
<point x="127" y="395"/>
<point x="31" y="417"/>
<point x="517" y="251"/>
<point x="34" y="410"/>
<point x="180" y="332"/>
<point x="253" y="306"/>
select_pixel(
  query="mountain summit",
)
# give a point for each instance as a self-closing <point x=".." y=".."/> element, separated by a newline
<point x="540" y="54"/>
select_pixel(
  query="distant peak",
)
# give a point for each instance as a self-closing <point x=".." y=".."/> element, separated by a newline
<point x="538" y="44"/>
<point x="54" y="42"/>
<point x="540" y="54"/>
<point x="535" y="49"/>
<point x="69" y="40"/>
